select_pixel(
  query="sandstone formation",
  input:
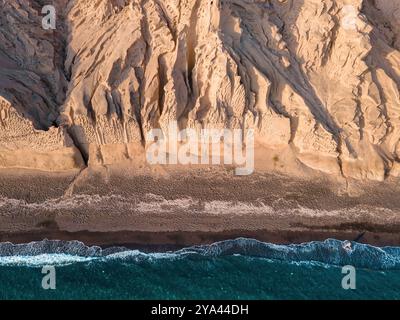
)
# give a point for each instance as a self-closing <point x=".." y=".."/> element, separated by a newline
<point x="316" y="79"/>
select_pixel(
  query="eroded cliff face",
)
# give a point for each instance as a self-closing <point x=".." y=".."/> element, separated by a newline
<point x="318" y="79"/>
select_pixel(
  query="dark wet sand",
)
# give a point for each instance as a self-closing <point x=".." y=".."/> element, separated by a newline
<point x="108" y="225"/>
<point x="166" y="241"/>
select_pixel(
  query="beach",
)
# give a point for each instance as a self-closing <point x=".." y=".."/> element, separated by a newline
<point x="170" y="209"/>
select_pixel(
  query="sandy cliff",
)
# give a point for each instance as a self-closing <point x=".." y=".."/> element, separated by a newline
<point x="318" y="80"/>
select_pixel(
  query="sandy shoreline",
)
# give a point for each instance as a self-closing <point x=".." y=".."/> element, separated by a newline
<point x="108" y="207"/>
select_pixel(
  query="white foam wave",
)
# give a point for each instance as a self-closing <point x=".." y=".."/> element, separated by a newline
<point x="331" y="251"/>
<point x="43" y="260"/>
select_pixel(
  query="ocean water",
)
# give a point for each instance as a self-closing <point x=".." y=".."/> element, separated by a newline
<point x="233" y="269"/>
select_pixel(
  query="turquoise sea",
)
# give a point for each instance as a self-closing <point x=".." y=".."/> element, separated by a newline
<point x="232" y="269"/>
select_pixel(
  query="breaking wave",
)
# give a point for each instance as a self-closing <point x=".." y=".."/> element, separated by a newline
<point x="329" y="252"/>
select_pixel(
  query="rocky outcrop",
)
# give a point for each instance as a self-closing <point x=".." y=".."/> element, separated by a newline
<point x="319" y="79"/>
<point x="23" y="146"/>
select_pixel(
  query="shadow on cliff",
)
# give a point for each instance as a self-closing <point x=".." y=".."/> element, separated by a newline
<point x="250" y="48"/>
<point x="33" y="84"/>
<point x="383" y="40"/>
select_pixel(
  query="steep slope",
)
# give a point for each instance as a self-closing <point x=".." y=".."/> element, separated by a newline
<point x="317" y="79"/>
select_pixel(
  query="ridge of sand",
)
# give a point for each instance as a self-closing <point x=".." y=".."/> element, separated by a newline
<point x="317" y="79"/>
